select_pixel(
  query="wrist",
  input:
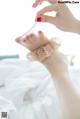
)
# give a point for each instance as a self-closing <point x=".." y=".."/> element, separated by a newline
<point x="56" y="65"/>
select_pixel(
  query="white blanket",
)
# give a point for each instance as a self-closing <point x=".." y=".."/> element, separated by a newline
<point x="28" y="89"/>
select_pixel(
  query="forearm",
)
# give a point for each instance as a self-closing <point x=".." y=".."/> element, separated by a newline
<point x="60" y="76"/>
<point x="66" y="91"/>
<point x="76" y="27"/>
<point x="54" y="65"/>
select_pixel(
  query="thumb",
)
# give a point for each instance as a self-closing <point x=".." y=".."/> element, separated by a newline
<point x="49" y="19"/>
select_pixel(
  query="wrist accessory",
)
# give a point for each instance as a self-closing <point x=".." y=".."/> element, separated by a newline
<point x="42" y="52"/>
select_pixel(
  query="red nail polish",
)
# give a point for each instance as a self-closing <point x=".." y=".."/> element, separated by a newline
<point x="38" y="19"/>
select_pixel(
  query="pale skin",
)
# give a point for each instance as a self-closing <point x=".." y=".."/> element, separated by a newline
<point x="56" y="65"/>
<point x="64" y="19"/>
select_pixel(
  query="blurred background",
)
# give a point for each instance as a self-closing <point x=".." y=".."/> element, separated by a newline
<point x="18" y="16"/>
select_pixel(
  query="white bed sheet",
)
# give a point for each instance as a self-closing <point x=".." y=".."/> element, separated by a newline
<point x="28" y="89"/>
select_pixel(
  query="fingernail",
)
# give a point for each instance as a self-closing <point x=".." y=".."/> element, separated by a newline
<point x="40" y="32"/>
<point x="33" y="5"/>
<point x="27" y="37"/>
<point x="31" y="35"/>
<point x="24" y="40"/>
<point x="39" y="19"/>
<point x="17" y="39"/>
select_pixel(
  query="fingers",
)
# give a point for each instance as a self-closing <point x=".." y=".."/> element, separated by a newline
<point x="45" y="18"/>
<point x="20" y="41"/>
<point x="41" y="35"/>
<point x="37" y="2"/>
<point x="27" y="41"/>
<point x="48" y="19"/>
<point x="33" y="41"/>
<point x="48" y="9"/>
<point x="42" y="38"/>
<point x="30" y="39"/>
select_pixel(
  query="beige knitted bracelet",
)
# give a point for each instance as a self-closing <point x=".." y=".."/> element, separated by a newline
<point x="41" y="53"/>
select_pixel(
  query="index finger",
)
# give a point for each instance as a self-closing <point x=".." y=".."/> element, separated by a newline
<point x="48" y="9"/>
<point x="37" y="2"/>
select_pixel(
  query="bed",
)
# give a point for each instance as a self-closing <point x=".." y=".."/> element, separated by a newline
<point x="27" y="90"/>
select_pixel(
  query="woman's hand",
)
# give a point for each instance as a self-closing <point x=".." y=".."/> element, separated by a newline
<point x="64" y="19"/>
<point x="55" y="63"/>
<point x="33" y="41"/>
<point x="39" y="2"/>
